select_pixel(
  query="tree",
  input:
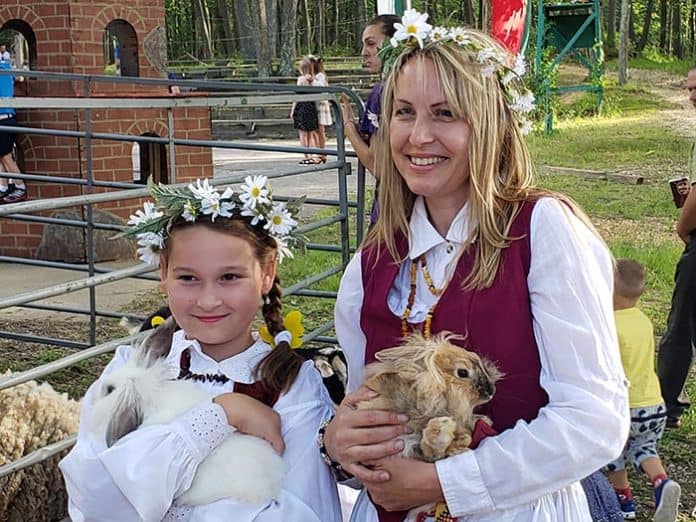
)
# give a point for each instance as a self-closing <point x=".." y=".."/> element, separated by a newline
<point x="263" y="52"/>
<point x="204" y="37"/>
<point x="647" y="22"/>
<point x="288" y="29"/>
<point x="623" y="41"/>
<point x="611" y="24"/>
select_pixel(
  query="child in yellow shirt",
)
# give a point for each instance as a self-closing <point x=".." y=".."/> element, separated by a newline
<point x="648" y="413"/>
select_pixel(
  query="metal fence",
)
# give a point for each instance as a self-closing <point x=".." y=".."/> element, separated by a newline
<point x="346" y="211"/>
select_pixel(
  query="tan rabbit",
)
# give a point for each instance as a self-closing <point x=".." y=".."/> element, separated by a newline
<point x="438" y="385"/>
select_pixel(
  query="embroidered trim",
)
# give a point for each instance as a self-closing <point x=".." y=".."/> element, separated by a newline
<point x="186" y="374"/>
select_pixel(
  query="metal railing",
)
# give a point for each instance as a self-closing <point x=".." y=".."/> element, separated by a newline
<point x="227" y="95"/>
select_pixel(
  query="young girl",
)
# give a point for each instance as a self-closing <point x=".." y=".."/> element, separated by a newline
<point x="304" y="114"/>
<point x="217" y="255"/>
<point x="323" y="107"/>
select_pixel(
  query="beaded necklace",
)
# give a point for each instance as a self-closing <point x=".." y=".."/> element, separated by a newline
<point x="437" y="292"/>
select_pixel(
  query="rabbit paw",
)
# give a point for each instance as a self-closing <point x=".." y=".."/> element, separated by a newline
<point x="437" y="437"/>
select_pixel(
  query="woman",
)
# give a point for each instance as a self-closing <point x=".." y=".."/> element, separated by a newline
<point x="465" y="243"/>
<point x="379" y="29"/>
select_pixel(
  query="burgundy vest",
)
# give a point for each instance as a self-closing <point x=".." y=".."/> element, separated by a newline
<point x="496" y="323"/>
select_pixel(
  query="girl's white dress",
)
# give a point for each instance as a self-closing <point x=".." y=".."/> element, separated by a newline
<point x="138" y="478"/>
<point x="529" y="473"/>
<point x="323" y="107"/>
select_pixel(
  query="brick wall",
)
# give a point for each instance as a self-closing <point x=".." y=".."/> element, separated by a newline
<point x="68" y="38"/>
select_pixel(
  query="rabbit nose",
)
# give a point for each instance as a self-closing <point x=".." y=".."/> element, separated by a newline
<point x="485" y="387"/>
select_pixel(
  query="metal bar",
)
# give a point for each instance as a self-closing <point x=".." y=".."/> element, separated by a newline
<point x="62" y="221"/>
<point x="305" y="283"/>
<point x="79" y="267"/>
<point x="37" y="456"/>
<point x="89" y="231"/>
<point x="42" y="340"/>
<point x="82" y="311"/>
<point x="71" y="286"/>
<point x="314" y="334"/>
<point x="46" y="369"/>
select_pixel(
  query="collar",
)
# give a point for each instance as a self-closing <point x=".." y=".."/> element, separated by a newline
<point x="239" y="368"/>
<point x="423" y="235"/>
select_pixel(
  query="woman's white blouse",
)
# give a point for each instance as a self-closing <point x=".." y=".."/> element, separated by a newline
<point x="139" y="476"/>
<point x="529" y="472"/>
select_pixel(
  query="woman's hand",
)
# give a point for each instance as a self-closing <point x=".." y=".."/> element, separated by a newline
<point x="413" y="483"/>
<point x="252" y="417"/>
<point x="356" y="436"/>
<point x="347" y="112"/>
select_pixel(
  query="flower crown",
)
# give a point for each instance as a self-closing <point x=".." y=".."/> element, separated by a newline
<point x="415" y="31"/>
<point x="152" y="225"/>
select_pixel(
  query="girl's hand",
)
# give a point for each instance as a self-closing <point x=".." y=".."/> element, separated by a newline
<point x="413" y="483"/>
<point x="356" y="436"/>
<point x="252" y="417"/>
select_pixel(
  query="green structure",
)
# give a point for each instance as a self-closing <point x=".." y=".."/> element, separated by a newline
<point x="568" y="29"/>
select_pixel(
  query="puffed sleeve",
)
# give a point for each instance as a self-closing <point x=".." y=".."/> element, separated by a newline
<point x="347" y="321"/>
<point x="138" y="477"/>
<point x="586" y="421"/>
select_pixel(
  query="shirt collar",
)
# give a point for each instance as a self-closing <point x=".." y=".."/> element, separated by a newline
<point x="424" y="236"/>
<point x="239" y="368"/>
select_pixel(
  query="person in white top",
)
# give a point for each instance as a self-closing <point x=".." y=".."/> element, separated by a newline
<point x="217" y="255"/>
<point x="465" y="242"/>
<point x="323" y="107"/>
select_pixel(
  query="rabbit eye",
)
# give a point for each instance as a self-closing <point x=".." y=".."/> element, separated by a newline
<point x="109" y="388"/>
<point x="462" y="373"/>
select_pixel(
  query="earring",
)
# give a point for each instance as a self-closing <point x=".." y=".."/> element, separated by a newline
<point x="266" y="299"/>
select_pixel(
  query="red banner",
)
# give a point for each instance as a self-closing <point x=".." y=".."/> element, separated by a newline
<point x="508" y="19"/>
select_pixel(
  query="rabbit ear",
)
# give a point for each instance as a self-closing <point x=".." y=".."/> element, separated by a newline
<point x="156" y="345"/>
<point x="127" y="414"/>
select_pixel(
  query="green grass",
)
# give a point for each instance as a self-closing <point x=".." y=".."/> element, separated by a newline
<point x="652" y="61"/>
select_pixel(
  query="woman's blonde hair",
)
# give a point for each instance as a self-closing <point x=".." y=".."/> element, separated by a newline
<point x="500" y="167"/>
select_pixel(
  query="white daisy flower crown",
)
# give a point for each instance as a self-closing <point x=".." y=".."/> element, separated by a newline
<point x="414" y="32"/>
<point x="253" y="203"/>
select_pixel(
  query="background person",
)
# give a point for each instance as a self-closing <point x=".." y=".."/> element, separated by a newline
<point x="11" y="190"/>
<point x="304" y="114"/>
<point x="323" y="107"/>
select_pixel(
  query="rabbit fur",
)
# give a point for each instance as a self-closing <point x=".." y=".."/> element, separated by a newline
<point x="438" y="385"/>
<point x="142" y="392"/>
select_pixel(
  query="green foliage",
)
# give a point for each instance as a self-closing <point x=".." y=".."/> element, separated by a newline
<point x="651" y="60"/>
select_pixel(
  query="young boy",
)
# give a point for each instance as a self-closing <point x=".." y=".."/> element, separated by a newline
<point x="648" y="413"/>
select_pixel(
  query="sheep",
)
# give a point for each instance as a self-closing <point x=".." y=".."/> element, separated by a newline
<point x="33" y="415"/>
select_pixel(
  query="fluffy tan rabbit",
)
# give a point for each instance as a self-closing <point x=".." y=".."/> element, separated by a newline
<point x="438" y="385"/>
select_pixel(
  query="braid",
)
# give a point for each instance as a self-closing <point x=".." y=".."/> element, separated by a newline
<point x="279" y="369"/>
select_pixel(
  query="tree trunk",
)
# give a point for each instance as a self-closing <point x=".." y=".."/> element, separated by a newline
<point x="226" y="23"/>
<point x="337" y="17"/>
<point x="468" y="12"/>
<point x="244" y="26"/>
<point x="623" y="41"/>
<point x="263" y="60"/>
<point x="677" y="47"/>
<point x="288" y="30"/>
<point x="611" y="24"/>
<point x="320" y="34"/>
<point x="647" y="22"/>
<point x="204" y="38"/>
<point x="632" y="25"/>
<point x="308" y="21"/>
<point x="272" y="18"/>
<point x="664" y="27"/>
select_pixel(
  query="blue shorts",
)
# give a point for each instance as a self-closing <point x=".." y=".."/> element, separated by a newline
<point x="647" y="425"/>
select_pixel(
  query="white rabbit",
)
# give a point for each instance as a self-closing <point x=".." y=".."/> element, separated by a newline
<point x="142" y="393"/>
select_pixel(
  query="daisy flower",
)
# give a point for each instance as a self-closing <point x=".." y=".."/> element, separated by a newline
<point x="254" y="191"/>
<point x="522" y="104"/>
<point x="440" y="34"/>
<point x="279" y="221"/>
<point x="525" y="127"/>
<point x="203" y="190"/>
<point x="458" y="34"/>
<point x="283" y="249"/>
<point x="148" y="213"/>
<point x="190" y="212"/>
<point x="150" y="245"/>
<point x="414" y="25"/>
<point x="254" y="214"/>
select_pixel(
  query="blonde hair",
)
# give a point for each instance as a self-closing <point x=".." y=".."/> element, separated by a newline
<point x="306" y="68"/>
<point x="629" y="278"/>
<point x="499" y="164"/>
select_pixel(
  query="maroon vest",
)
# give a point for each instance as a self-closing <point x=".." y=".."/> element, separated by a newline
<point x="496" y="323"/>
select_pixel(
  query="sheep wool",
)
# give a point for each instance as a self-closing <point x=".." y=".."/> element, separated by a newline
<point x="33" y="415"/>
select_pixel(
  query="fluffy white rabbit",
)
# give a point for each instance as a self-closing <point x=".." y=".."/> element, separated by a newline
<point x="142" y="393"/>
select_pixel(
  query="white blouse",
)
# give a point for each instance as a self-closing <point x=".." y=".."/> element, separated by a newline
<point x="139" y="476"/>
<point x="530" y="472"/>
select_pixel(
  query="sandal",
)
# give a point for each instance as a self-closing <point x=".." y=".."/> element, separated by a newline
<point x="6" y="191"/>
<point x="308" y="161"/>
<point x="320" y="159"/>
<point x="17" y="195"/>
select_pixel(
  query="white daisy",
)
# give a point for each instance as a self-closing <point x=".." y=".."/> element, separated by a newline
<point x="522" y="104"/>
<point x="190" y="213"/>
<point x="279" y="221"/>
<point x="520" y="66"/>
<point x="440" y="34"/>
<point x="253" y="213"/>
<point x="525" y="127"/>
<point x="485" y="54"/>
<point x="414" y="25"/>
<point x="203" y="190"/>
<point x="150" y="245"/>
<point x="283" y="249"/>
<point x="143" y="216"/>
<point x="458" y="34"/>
<point x="254" y="191"/>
